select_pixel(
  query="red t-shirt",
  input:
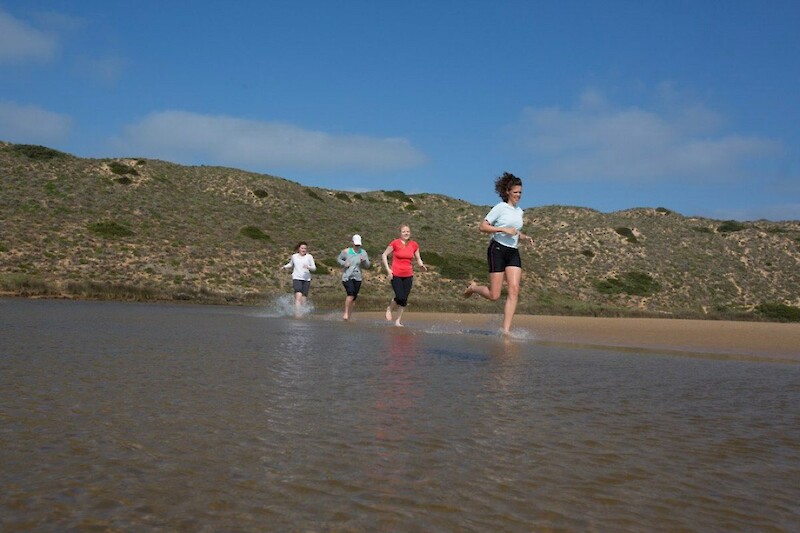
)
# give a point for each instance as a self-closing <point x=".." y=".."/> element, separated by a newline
<point x="402" y="256"/>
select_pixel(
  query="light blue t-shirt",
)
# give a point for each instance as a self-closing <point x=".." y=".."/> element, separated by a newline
<point x="504" y="216"/>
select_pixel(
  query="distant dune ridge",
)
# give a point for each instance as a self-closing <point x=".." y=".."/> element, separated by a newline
<point x="141" y="229"/>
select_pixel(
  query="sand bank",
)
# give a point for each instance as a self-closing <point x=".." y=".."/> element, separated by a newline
<point x="762" y="340"/>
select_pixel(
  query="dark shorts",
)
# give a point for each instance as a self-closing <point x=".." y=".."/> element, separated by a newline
<point x="352" y="287"/>
<point x="301" y="286"/>
<point x="500" y="257"/>
<point x="402" y="288"/>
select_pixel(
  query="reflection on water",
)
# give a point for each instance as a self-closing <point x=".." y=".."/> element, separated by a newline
<point x="171" y="418"/>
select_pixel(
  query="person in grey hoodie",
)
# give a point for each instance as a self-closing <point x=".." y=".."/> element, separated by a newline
<point x="352" y="259"/>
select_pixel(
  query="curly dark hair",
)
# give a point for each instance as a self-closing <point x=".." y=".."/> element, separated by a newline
<point x="504" y="183"/>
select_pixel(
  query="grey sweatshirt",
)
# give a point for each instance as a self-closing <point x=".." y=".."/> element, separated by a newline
<point x="355" y="260"/>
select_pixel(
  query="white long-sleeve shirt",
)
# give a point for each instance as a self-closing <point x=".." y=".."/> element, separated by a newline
<point x="302" y="266"/>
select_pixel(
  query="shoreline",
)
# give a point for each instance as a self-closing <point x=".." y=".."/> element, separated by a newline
<point x="775" y="341"/>
<point x="737" y="339"/>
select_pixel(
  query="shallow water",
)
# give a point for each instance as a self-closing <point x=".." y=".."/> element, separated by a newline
<point x="141" y="417"/>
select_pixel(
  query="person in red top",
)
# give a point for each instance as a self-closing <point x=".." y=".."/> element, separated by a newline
<point x="401" y="275"/>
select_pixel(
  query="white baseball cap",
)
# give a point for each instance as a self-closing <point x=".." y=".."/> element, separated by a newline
<point x="357" y="239"/>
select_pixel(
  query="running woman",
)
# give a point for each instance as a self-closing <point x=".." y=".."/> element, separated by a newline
<point x="504" y="224"/>
<point x="302" y="265"/>
<point x="352" y="259"/>
<point x="401" y="275"/>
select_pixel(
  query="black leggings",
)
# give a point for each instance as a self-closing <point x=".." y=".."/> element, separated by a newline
<point x="402" y="288"/>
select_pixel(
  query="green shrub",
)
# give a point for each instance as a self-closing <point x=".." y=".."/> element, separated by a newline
<point x="260" y="193"/>
<point x="313" y="195"/>
<point x="779" y="312"/>
<point x="39" y="153"/>
<point x="411" y="207"/>
<point x="330" y="262"/>
<point x="118" y="168"/>
<point x="730" y="226"/>
<point x="433" y="259"/>
<point x="124" y="180"/>
<point x="632" y="283"/>
<point x="462" y="267"/>
<point x="776" y="230"/>
<point x="663" y="210"/>
<point x="22" y="283"/>
<point x="358" y="196"/>
<point x="30" y="206"/>
<point x="398" y="195"/>
<point x="3" y="247"/>
<point x="627" y="233"/>
<point x="587" y="253"/>
<point x="111" y="229"/>
<point x="254" y="233"/>
<point x="342" y="196"/>
<point x="702" y="229"/>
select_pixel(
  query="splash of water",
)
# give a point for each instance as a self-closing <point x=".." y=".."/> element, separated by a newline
<point x="284" y="306"/>
<point x="492" y="329"/>
<point x="521" y="335"/>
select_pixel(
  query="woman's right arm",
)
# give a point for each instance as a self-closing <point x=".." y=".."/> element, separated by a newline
<point x="385" y="257"/>
<point x="485" y="227"/>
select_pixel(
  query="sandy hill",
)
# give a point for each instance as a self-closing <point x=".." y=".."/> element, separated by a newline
<point x="142" y="229"/>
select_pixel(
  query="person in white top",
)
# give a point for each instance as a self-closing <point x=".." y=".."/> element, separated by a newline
<point x="302" y="265"/>
<point x="504" y="224"/>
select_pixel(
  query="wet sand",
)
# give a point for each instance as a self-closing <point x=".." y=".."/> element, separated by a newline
<point x="760" y="340"/>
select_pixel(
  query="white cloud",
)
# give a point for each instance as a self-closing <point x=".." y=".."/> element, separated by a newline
<point x="20" y="42"/>
<point x="31" y="124"/>
<point x="596" y="141"/>
<point x="214" y="139"/>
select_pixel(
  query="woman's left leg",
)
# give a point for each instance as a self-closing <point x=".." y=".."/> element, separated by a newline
<point x="392" y="307"/>
<point x="513" y="279"/>
<point x="298" y="304"/>
<point x="402" y="291"/>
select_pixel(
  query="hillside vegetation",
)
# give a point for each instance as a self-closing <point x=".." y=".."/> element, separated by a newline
<point x="142" y="229"/>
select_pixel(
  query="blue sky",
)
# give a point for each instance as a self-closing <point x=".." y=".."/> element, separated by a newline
<point x="689" y="105"/>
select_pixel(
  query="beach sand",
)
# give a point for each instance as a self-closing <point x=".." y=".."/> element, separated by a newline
<point x="756" y="340"/>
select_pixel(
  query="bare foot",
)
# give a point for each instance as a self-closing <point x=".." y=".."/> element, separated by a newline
<point x="389" y="313"/>
<point x="345" y="318"/>
<point x="469" y="291"/>
<point x="399" y="325"/>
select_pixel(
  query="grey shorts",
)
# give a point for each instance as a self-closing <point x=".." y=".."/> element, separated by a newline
<point x="301" y="286"/>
